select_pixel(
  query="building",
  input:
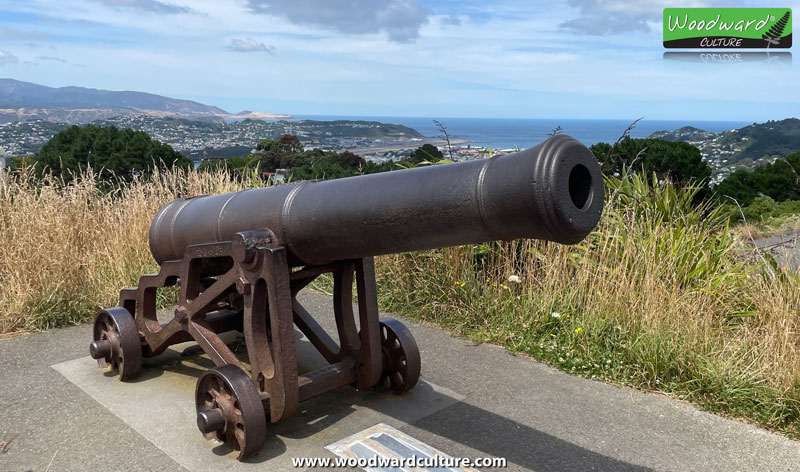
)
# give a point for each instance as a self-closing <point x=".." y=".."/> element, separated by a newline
<point x="278" y="177"/>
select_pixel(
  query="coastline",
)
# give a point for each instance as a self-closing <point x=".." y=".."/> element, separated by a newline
<point x="406" y="145"/>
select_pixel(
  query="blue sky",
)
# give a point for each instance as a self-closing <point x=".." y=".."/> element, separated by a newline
<point x="448" y="58"/>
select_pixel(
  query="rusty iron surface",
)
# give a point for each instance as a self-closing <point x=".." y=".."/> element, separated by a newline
<point x="256" y="295"/>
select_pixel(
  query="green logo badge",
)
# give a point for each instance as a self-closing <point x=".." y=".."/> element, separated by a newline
<point x="728" y="28"/>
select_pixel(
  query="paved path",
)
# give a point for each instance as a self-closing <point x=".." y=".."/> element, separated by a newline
<point x="783" y="247"/>
<point x="535" y="416"/>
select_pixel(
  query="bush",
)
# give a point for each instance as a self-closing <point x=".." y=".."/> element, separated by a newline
<point x="761" y="209"/>
<point x="677" y="161"/>
<point x="111" y="152"/>
<point x="764" y="212"/>
<point x="780" y="181"/>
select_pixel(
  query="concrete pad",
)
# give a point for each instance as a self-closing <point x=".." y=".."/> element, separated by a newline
<point x="159" y="405"/>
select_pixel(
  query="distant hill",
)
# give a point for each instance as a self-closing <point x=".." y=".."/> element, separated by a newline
<point x="25" y="101"/>
<point x="687" y="133"/>
<point x="744" y="148"/>
<point x="770" y="139"/>
<point x="197" y="138"/>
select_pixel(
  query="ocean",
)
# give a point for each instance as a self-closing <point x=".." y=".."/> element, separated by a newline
<point x="508" y="133"/>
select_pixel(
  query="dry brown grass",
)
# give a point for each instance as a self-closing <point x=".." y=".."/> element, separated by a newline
<point x="66" y="250"/>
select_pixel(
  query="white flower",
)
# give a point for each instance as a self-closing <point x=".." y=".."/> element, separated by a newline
<point x="515" y="279"/>
<point x="555" y="314"/>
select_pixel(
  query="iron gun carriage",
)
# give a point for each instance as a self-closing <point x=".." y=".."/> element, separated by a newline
<point x="240" y="260"/>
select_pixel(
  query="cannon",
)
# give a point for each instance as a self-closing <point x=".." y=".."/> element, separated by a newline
<point x="240" y="259"/>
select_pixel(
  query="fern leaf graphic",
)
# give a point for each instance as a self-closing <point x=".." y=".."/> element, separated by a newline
<point x="773" y="34"/>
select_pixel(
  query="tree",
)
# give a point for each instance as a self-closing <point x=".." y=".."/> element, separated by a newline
<point x="312" y="164"/>
<point x="277" y="154"/>
<point x="779" y="181"/>
<point x="738" y="186"/>
<point x="265" y="145"/>
<point x="108" y="150"/>
<point x="288" y="144"/>
<point x="347" y="160"/>
<point x="675" y="160"/>
<point x="426" y="152"/>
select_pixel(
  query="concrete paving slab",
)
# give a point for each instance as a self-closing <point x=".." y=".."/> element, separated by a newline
<point x="54" y="423"/>
<point x="159" y="405"/>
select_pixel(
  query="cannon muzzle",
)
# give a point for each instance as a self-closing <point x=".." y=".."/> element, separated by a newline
<point x="553" y="191"/>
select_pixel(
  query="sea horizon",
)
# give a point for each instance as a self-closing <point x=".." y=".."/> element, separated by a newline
<point x="509" y="133"/>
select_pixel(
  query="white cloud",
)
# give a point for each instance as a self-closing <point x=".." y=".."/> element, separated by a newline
<point x="604" y="17"/>
<point x="400" y="19"/>
<point x="50" y="58"/>
<point x="450" y="20"/>
<point x="11" y="33"/>
<point x="249" y="45"/>
<point x="8" y="58"/>
<point x="153" y="6"/>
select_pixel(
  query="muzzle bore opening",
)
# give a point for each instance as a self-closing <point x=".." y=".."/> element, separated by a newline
<point x="580" y="186"/>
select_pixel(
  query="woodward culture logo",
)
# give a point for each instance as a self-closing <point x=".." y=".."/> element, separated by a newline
<point x="727" y="28"/>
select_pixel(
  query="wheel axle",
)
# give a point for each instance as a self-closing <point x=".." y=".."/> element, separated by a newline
<point x="211" y="420"/>
<point x="116" y="342"/>
<point x="100" y="349"/>
<point x="229" y="409"/>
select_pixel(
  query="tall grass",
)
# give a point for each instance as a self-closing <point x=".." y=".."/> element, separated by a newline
<point x="655" y="298"/>
<point x="67" y="249"/>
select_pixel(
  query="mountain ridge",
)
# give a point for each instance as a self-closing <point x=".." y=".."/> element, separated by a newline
<point x="747" y="147"/>
<point x="21" y="100"/>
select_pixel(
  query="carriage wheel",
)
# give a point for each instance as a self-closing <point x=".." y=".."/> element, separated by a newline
<point x="117" y="343"/>
<point x="401" y="362"/>
<point x="229" y="409"/>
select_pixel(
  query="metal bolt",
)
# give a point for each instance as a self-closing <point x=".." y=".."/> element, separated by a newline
<point x="181" y="314"/>
<point x="243" y="286"/>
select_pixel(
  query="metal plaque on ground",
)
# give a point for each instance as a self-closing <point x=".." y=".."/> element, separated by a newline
<point x="382" y="448"/>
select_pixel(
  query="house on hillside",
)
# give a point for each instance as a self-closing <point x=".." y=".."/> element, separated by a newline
<point x="278" y="177"/>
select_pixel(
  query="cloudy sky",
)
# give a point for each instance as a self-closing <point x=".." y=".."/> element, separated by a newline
<point x="443" y="58"/>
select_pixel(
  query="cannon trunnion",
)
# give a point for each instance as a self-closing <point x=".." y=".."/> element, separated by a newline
<point x="240" y="260"/>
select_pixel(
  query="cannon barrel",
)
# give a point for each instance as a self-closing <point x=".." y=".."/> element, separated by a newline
<point x="553" y="191"/>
